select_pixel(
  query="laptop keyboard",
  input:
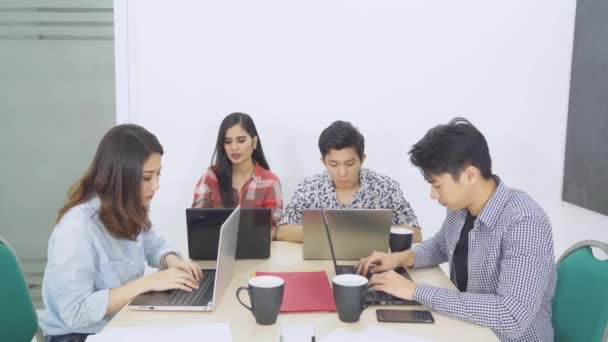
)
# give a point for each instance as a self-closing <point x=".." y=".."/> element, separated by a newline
<point x="189" y="298"/>
<point x="374" y="297"/>
<point x="349" y="269"/>
<point x="346" y="269"/>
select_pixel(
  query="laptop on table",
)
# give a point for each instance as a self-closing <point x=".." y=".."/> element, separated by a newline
<point x="357" y="233"/>
<point x="203" y="226"/>
<point x="372" y="297"/>
<point x="212" y="285"/>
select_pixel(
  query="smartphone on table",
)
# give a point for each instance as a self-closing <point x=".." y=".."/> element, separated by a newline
<point x="404" y="316"/>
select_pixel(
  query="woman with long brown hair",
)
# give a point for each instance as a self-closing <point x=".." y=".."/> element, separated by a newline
<point x="103" y="239"/>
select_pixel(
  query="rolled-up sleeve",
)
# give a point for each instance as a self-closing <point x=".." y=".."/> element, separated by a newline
<point x="70" y="278"/>
<point x="155" y="246"/>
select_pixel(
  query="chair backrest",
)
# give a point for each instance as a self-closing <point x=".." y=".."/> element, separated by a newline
<point x="18" y="315"/>
<point x="580" y="305"/>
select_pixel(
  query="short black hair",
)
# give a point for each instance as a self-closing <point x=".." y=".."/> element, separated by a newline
<point x="341" y="134"/>
<point x="451" y="148"/>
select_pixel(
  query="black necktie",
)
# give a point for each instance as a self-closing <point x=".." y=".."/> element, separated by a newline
<point x="460" y="273"/>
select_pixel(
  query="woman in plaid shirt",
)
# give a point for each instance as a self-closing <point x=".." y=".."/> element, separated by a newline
<point x="240" y="174"/>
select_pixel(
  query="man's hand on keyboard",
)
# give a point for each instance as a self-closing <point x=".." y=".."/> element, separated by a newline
<point x="376" y="263"/>
<point x="394" y="284"/>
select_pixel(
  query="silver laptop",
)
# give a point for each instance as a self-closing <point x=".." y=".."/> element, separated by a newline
<point x="213" y="284"/>
<point x="356" y="233"/>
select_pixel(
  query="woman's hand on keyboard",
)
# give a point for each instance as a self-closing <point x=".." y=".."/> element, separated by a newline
<point x="173" y="261"/>
<point x="171" y="278"/>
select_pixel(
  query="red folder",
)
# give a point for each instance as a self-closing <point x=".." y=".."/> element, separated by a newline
<point x="305" y="291"/>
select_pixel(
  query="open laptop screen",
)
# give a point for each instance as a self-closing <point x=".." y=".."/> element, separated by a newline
<point x="355" y="233"/>
<point x="203" y="226"/>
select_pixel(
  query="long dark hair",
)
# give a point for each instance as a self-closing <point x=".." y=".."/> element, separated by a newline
<point x="222" y="165"/>
<point x="115" y="176"/>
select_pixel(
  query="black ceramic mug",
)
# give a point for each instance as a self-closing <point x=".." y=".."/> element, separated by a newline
<point x="400" y="239"/>
<point x="349" y="294"/>
<point x="266" y="296"/>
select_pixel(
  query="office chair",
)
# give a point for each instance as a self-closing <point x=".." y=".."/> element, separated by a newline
<point x="18" y="315"/>
<point x="580" y="304"/>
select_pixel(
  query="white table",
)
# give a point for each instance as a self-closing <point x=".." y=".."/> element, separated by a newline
<point x="287" y="256"/>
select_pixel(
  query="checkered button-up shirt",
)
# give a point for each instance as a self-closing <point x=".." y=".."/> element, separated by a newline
<point x="263" y="190"/>
<point x="376" y="191"/>
<point x="511" y="271"/>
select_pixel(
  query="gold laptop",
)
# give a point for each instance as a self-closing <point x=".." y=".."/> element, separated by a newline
<point x="355" y="233"/>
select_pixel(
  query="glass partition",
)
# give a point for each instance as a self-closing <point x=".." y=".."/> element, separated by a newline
<point x="58" y="98"/>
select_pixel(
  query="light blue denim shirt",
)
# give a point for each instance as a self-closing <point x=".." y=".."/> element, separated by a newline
<point x="84" y="262"/>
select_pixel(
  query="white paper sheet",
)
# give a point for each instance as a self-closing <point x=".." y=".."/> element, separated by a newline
<point x="373" y="333"/>
<point x="202" y="332"/>
<point x="296" y="333"/>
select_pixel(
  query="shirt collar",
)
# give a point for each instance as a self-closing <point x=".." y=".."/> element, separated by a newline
<point x="363" y="178"/>
<point x="330" y="186"/>
<point x="94" y="202"/>
<point x="492" y="210"/>
<point x="258" y="171"/>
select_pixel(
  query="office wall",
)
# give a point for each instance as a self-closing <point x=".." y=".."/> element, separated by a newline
<point x="393" y="68"/>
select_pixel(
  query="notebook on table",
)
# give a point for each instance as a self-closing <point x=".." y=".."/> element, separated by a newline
<point x="305" y="291"/>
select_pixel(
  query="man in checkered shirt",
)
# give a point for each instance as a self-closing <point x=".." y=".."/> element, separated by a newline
<point x="497" y="240"/>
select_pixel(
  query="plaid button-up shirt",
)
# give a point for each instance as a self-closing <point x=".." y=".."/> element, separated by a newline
<point x="511" y="271"/>
<point x="263" y="190"/>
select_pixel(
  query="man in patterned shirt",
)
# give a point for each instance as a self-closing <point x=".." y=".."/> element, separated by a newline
<point x="497" y="241"/>
<point x="345" y="185"/>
